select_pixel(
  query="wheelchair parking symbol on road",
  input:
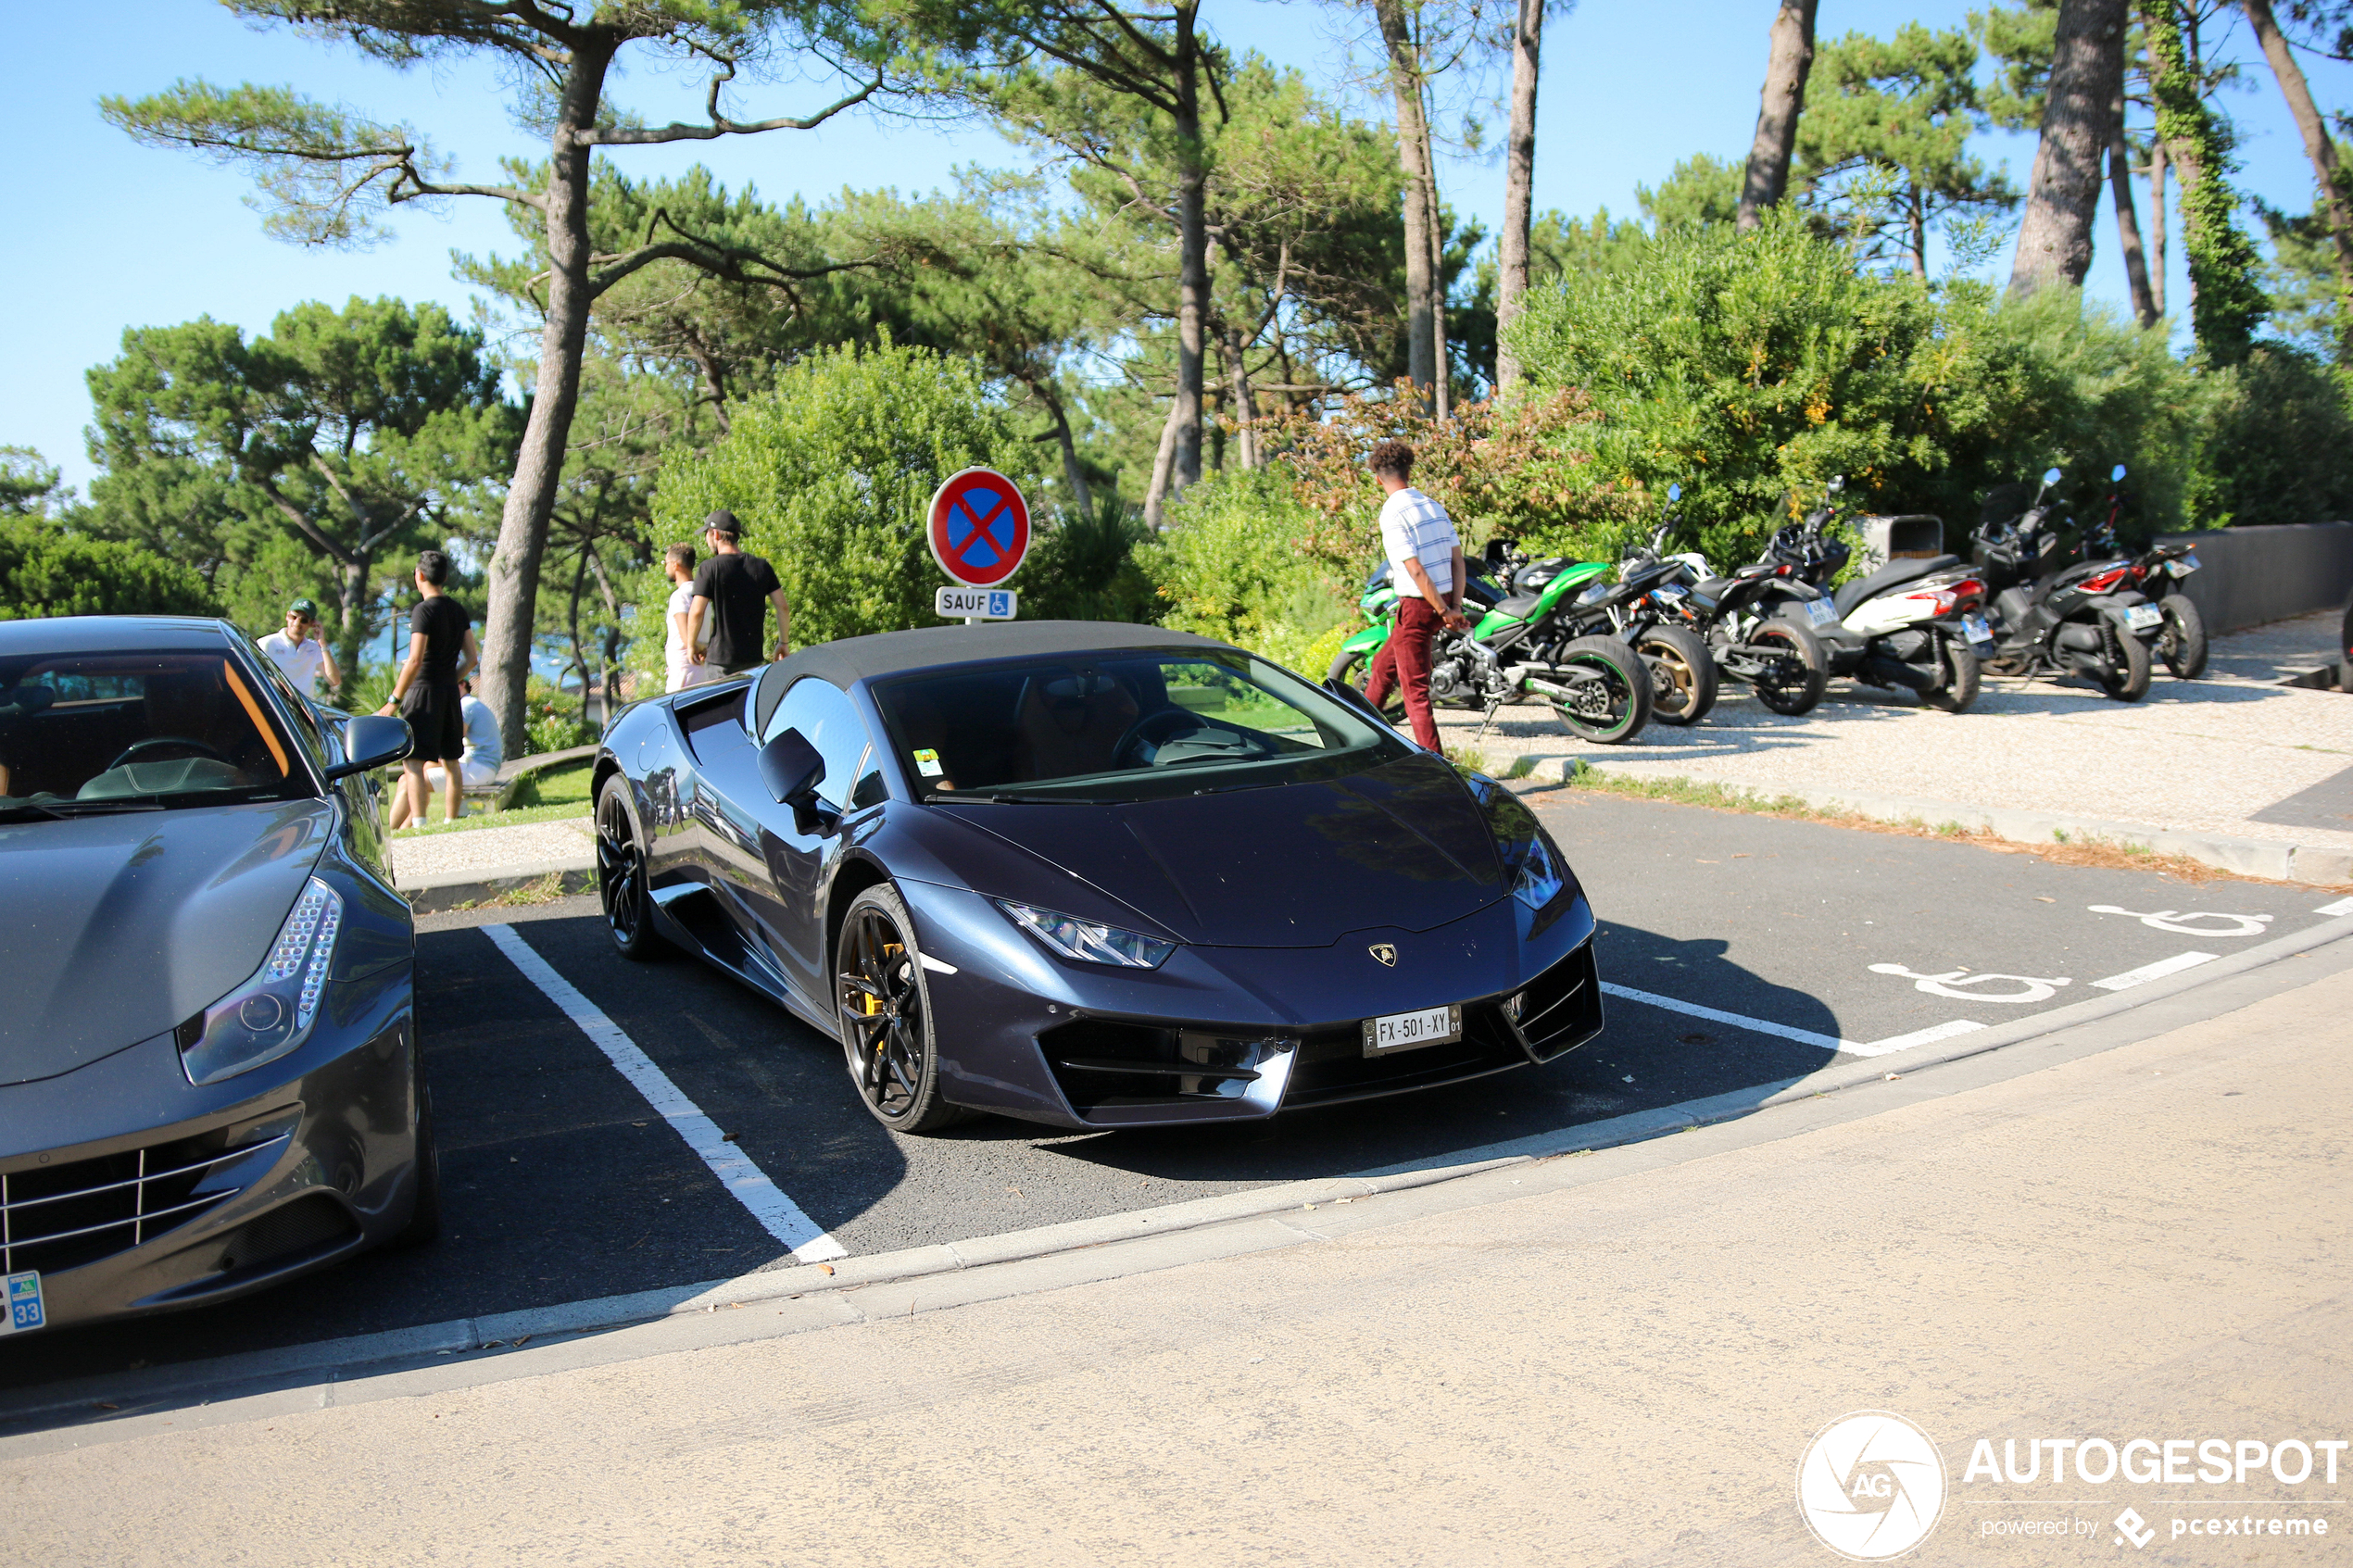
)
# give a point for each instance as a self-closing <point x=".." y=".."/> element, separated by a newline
<point x="2168" y="920"/>
<point x="1961" y="984"/>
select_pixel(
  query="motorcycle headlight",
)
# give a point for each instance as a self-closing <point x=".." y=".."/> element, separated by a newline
<point x="1089" y="941"/>
<point x="271" y="1013"/>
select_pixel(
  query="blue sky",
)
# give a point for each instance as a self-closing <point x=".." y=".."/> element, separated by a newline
<point x="112" y="235"/>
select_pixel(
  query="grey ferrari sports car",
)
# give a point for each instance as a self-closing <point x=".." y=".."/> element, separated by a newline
<point x="1092" y="875"/>
<point x="209" y="1073"/>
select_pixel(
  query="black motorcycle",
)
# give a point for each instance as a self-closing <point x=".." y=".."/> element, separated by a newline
<point x="2049" y="618"/>
<point x="1737" y="619"/>
<point x="2157" y="574"/>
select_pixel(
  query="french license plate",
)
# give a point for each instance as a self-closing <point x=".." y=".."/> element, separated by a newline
<point x="1980" y="636"/>
<point x="2183" y="566"/>
<point x="2143" y="618"/>
<point x="1820" y="612"/>
<point x="1410" y="1031"/>
<point x="25" y="1308"/>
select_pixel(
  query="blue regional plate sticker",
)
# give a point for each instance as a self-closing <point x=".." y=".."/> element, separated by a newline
<point x="24" y="1303"/>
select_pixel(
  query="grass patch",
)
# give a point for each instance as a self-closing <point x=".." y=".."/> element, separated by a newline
<point x="1477" y="762"/>
<point x="2067" y="849"/>
<point x="567" y="785"/>
<point x="547" y="890"/>
<point x="473" y="819"/>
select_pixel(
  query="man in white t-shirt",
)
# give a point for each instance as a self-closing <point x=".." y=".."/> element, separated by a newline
<point x="301" y="652"/>
<point x="486" y="750"/>
<point x="1425" y="568"/>
<point x="679" y="561"/>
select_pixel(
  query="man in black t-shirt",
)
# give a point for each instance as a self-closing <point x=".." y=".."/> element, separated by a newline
<point x="441" y="648"/>
<point x="735" y="590"/>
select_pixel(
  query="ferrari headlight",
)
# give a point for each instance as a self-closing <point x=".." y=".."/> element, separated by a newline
<point x="271" y="1013"/>
<point x="1539" y="881"/>
<point x="1089" y="941"/>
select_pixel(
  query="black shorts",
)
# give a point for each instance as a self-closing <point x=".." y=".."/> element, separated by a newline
<point x="435" y="722"/>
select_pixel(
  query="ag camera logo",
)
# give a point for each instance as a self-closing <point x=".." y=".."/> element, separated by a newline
<point x="1871" y="1485"/>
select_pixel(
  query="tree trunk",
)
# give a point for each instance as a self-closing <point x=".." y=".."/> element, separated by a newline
<point x="1413" y="145"/>
<point x="2128" y="222"/>
<point x="2063" y="195"/>
<point x="1163" y="462"/>
<point x="2320" y="149"/>
<point x="1192" y="248"/>
<point x="579" y="649"/>
<point x="2227" y="302"/>
<point x="2158" y="169"/>
<point x="354" y="595"/>
<point x="539" y="463"/>
<point x="1916" y="233"/>
<point x="1443" y="383"/>
<point x="1072" y="475"/>
<point x="1519" y="179"/>
<point x="1245" y="407"/>
<point x="1778" y="107"/>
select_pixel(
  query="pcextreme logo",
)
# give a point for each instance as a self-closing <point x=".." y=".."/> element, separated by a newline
<point x="1870" y="1486"/>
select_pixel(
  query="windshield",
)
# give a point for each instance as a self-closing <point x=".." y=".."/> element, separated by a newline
<point x="84" y="733"/>
<point x="1129" y="725"/>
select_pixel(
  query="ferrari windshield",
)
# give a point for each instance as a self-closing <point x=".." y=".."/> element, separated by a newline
<point x="94" y="731"/>
<point x="1123" y="725"/>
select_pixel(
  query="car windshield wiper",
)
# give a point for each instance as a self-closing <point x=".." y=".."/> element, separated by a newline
<point x="954" y="796"/>
<point x="24" y="809"/>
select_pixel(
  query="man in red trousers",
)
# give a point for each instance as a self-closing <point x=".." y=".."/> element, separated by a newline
<point x="1426" y="567"/>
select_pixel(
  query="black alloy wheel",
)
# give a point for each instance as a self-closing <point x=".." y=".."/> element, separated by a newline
<point x="885" y="1007"/>
<point x="621" y="875"/>
<point x="1957" y="664"/>
<point x="1794" y="671"/>
<point x="2128" y="657"/>
<point x="1609" y="701"/>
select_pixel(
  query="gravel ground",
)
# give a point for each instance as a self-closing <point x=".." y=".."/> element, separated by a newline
<point x="488" y="850"/>
<point x="2196" y="756"/>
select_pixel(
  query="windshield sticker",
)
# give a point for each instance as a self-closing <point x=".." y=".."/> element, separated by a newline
<point x="927" y="763"/>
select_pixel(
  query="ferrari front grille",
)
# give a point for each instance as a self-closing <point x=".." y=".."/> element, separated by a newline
<point x="59" y="1217"/>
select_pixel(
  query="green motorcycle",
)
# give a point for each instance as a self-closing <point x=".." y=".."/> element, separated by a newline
<point x="1524" y="643"/>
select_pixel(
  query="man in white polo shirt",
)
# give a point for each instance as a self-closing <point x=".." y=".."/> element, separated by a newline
<point x="301" y="652"/>
<point x="1426" y="567"/>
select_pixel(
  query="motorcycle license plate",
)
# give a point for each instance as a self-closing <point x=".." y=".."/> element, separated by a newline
<point x="2143" y="618"/>
<point x="1980" y="636"/>
<point x="1820" y="613"/>
<point x="1410" y="1031"/>
<point x="2183" y="566"/>
<point x="25" y="1308"/>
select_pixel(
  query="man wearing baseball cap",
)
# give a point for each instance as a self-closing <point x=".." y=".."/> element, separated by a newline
<point x="301" y="651"/>
<point x="733" y="589"/>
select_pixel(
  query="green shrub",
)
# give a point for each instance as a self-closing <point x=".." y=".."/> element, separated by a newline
<point x="830" y="474"/>
<point x="45" y="571"/>
<point x="1750" y="367"/>
<point x="2278" y="443"/>
<point x="1230" y="566"/>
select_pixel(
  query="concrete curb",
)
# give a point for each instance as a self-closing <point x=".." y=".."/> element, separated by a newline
<point x="574" y="874"/>
<point x="340" y="1359"/>
<point x="2313" y="865"/>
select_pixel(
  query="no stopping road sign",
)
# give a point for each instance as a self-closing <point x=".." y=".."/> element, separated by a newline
<point x="978" y="526"/>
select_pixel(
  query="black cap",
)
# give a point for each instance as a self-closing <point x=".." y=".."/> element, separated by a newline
<point x="722" y="521"/>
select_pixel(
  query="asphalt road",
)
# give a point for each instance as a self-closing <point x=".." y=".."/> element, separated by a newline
<point x="561" y="1184"/>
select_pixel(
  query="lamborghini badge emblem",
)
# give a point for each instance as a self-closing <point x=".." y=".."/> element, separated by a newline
<point x="1384" y="952"/>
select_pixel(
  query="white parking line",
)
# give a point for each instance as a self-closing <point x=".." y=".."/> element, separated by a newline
<point x="1803" y="1036"/>
<point x="2342" y="907"/>
<point x="2156" y="970"/>
<point x="769" y="1204"/>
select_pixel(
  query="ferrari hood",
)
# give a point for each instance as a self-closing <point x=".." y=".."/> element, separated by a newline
<point x="1293" y="866"/>
<point x="114" y="929"/>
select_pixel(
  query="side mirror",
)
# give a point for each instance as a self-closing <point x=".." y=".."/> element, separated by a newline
<point x="1674" y="494"/>
<point x="1838" y="482"/>
<point x="2115" y="474"/>
<point x="370" y="742"/>
<point x="791" y="768"/>
<point x="2050" y="476"/>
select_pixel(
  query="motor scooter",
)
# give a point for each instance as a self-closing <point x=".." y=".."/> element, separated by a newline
<point x="2052" y="619"/>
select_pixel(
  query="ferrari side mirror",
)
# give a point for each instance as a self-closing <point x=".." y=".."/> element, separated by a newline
<point x="791" y="768"/>
<point x="371" y="741"/>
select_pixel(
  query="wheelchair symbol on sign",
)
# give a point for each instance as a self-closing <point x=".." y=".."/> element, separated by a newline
<point x="2168" y="920"/>
<point x="1955" y="985"/>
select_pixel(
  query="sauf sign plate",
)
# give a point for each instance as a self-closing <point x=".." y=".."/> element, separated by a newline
<point x="975" y="603"/>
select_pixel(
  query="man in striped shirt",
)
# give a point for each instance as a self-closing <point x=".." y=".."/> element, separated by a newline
<point x="1426" y="567"/>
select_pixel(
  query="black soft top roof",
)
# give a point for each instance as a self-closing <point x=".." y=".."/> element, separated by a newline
<point x="939" y="648"/>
